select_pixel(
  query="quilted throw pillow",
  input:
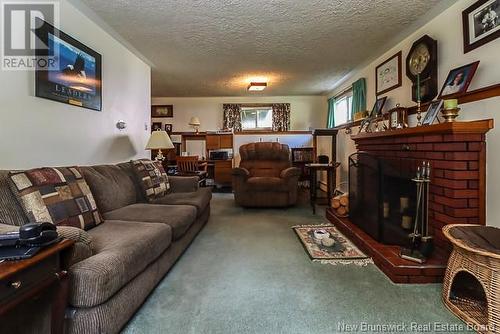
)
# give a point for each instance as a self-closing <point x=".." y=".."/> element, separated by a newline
<point x="60" y="196"/>
<point x="152" y="178"/>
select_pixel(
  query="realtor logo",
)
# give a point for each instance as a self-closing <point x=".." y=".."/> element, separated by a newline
<point x="20" y="19"/>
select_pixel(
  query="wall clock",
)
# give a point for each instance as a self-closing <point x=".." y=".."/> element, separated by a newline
<point x="422" y="60"/>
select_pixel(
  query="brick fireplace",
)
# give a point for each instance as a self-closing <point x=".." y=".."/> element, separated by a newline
<point x="457" y="154"/>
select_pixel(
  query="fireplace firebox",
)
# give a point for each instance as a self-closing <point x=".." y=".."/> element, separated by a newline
<point x="382" y="196"/>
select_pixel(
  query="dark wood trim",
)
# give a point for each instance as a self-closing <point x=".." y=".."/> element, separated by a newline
<point x="400" y="77"/>
<point x="60" y="302"/>
<point x="11" y="267"/>
<point x="481" y="126"/>
<point x="467" y="97"/>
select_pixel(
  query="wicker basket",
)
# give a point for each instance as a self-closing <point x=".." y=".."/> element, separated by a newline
<point x="476" y="268"/>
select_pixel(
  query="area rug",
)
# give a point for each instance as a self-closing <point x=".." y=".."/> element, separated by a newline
<point x="325" y="244"/>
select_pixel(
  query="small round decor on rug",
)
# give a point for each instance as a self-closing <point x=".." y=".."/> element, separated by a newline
<point x="325" y="244"/>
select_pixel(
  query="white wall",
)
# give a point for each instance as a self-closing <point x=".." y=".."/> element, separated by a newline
<point x="306" y="111"/>
<point x="36" y="132"/>
<point x="446" y="28"/>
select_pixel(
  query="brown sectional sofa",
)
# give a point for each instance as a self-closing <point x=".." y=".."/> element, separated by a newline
<point x="115" y="265"/>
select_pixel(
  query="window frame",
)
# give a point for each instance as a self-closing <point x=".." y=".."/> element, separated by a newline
<point x="347" y="94"/>
<point x="256" y="107"/>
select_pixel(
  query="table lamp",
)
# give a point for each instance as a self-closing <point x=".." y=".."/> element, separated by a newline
<point x="159" y="140"/>
<point x="195" y="123"/>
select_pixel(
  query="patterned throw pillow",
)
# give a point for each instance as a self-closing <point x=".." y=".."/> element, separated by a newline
<point x="60" y="196"/>
<point x="152" y="178"/>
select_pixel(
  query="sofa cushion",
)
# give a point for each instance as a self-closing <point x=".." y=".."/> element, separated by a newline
<point x="267" y="184"/>
<point x="178" y="217"/>
<point x="200" y="199"/>
<point x="11" y="212"/>
<point x="112" y="187"/>
<point x="152" y="177"/>
<point x="60" y="196"/>
<point x="122" y="250"/>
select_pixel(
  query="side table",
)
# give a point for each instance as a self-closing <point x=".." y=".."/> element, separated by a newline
<point x="23" y="280"/>
<point x="331" y="171"/>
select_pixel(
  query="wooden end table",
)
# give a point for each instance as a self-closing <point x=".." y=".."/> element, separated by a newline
<point x="331" y="171"/>
<point x="23" y="280"/>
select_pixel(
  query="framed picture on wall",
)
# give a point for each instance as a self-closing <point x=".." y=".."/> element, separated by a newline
<point x="168" y="128"/>
<point x="388" y="75"/>
<point x="162" y="111"/>
<point x="481" y="23"/>
<point x="73" y="71"/>
<point x="155" y="126"/>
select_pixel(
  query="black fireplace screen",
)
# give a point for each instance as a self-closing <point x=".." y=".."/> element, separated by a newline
<point x="382" y="196"/>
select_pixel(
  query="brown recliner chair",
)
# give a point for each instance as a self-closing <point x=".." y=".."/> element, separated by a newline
<point x="265" y="177"/>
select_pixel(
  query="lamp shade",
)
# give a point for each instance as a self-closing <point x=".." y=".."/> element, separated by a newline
<point x="194" y="121"/>
<point x="159" y="140"/>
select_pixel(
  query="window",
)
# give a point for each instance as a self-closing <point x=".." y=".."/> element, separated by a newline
<point x="343" y="107"/>
<point x="256" y="118"/>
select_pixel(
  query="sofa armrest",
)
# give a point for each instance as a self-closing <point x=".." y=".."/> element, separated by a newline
<point x="240" y="171"/>
<point x="183" y="184"/>
<point x="82" y="248"/>
<point x="6" y="228"/>
<point x="290" y="172"/>
<point x="76" y="234"/>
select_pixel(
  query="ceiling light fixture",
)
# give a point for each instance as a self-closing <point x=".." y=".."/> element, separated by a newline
<point x="257" y="86"/>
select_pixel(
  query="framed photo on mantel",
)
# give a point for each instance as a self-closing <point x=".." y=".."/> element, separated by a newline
<point x="388" y="75"/>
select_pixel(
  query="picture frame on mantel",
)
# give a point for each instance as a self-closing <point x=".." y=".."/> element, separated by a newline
<point x="458" y="80"/>
<point x="481" y="23"/>
<point x="388" y="74"/>
<point x="160" y="111"/>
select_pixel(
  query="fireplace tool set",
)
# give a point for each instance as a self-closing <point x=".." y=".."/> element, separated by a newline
<point x="421" y="243"/>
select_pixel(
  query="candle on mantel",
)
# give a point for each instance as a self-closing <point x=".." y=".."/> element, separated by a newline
<point x="418" y="87"/>
<point x="450" y="104"/>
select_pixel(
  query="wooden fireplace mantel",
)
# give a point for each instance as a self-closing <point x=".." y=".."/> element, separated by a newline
<point x="477" y="127"/>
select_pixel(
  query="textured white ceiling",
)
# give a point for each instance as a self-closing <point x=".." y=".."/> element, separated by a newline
<point x="214" y="47"/>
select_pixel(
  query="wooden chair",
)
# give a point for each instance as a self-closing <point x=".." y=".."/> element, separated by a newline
<point x="191" y="166"/>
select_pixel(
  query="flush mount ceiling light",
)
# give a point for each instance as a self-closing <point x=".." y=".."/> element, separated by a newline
<point x="257" y="86"/>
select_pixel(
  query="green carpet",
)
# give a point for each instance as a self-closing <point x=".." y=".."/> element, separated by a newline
<point x="247" y="272"/>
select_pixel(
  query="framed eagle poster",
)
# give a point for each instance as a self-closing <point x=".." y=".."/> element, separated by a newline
<point x="67" y="71"/>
